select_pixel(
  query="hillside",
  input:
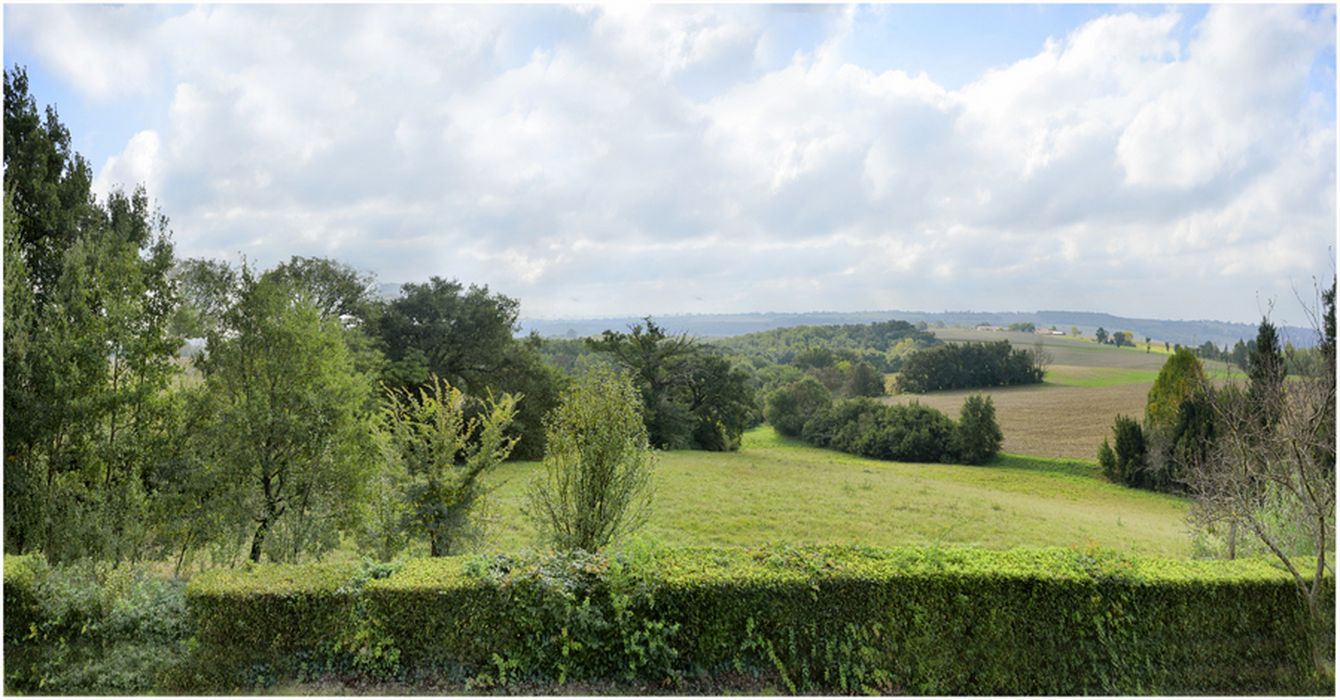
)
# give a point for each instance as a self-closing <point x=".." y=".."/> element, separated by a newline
<point x="719" y="325"/>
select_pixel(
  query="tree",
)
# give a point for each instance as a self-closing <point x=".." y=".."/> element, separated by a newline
<point x="88" y="355"/>
<point x="977" y="436"/>
<point x="597" y="482"/>
<point x="1120" y="338"/>
<point x="1271" y="471"/>
<point x="287" y="421"/>
<point x="1127" y="463"/>
<point x="788" y="408"/>
<point x="721" y="401"/>
<point x="1265" y="373"/>
<point x="205" y="288"/>
<point x="465" y="337"/>
<point x="438" y="455"/>
<point x="863" y="380"/>
<point x="1147" y="346"/>
<point x="656" y="362"/>
<point x="1101" y="335"/>
<point x="1172" y="427"/>
<point x="1074" y="330"/>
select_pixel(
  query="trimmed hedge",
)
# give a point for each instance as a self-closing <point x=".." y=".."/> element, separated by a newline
<point x="849" y="619"/>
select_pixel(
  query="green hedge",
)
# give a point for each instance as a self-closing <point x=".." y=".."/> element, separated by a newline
<point x="924" y="621"/>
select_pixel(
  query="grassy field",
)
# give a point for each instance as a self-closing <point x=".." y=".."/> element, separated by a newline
<point x="776" y="490"/>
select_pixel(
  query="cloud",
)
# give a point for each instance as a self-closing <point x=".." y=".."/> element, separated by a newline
<point x="653" y="159"/>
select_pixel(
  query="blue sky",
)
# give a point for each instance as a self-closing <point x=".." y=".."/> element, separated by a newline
<point x="1148" y="160"/>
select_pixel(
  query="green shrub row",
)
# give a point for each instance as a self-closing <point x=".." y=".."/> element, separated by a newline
<point x="846" y="619"/>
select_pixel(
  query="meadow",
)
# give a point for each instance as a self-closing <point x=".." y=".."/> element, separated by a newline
<point x="779" y="490"/>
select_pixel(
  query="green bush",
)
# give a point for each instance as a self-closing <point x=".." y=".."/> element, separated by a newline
<point x="977" y="436"/>
<point x="814" y="619"/>
<point x="789" y="407"/>
<point x="907" y="433"/>
<point x="1126" y="463"/>
<point x="90" y="629"/>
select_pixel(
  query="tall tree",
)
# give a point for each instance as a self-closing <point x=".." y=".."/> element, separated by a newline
<point x="656" y="362"/>
<point x="287" y="422"/>
<point x="86" y="311"/>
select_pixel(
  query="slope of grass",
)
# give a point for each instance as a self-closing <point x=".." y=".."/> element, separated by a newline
<point x="779" y="490"/>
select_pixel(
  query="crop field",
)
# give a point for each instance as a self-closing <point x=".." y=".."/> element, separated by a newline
<point x="776" y="490"/>
<point x="1085" y="388"/>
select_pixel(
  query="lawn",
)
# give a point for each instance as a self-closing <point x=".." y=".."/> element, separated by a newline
<point x="778" y="490"/>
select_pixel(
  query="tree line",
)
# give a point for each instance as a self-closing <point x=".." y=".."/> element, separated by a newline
<point x="971" y="365"/>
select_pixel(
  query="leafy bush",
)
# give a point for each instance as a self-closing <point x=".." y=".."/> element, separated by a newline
<point x="788" y="408"/>
<point x="90" y="629"/>
<point x="598" y="466"/>
<point x="910" y="433"/>
<point x="1126" y="463"/>
<point x="819" y="619"/>
<point x="977" y="436"/>
<point x="968" y="365"/>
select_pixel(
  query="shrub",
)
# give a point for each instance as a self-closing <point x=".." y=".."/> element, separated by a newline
<point x="837" y="619"/>
<point x="1128" y="463"/>
<point x="911" y="433"/>
<point x="597" y="464"/>
<point x="787" y="408"/>
<point x="977" y="436"/>
<point x="89" y="628"/>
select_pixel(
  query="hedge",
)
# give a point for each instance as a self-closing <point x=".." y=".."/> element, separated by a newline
<point x="847" y="619"/>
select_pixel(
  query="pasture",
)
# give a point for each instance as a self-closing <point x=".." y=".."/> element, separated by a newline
<point x="779" y="490"/>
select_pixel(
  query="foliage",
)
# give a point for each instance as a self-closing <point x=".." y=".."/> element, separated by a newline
<point x="1271" y="470"/>
<point x="1128" y="459"/>
<point x="284" y="425"/>
<point x="788" y="409"/>
<point x="905" y="433"/>
<point x="88" y="355"/>
<point x="596" y="485"/>
<point x="465" y="337"/>
<point x="968" y="365"/>
<point x="1179" y="422"/>
<point x="721" y="400"/>
<point x="439" y="455"/>
<point x="814" y="619"/>
<point x="882" y="345"/>
<point x="977" y="436"/>
<point x="90" y="629"/>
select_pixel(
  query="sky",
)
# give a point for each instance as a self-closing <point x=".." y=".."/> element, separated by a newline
<point x="1150" y="161"/>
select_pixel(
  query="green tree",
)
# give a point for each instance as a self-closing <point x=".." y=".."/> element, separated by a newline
<point x="1172" y="427"/>
<point x="287" y="424"/>
<point x="657" y="363"/>
<point x="204" y="287"/>
<point x="597" y="482"/>
<point x="1265" y="373"/>
<point x="863" y="380"/>
<point x="977" y="436"/>
<point x="88" y="356"/>
<point x="441" y="454"/>
<point x="721" y="400"/>
<point x="788" y="408"/>
<point x="1128" y="463"/>
<point x="465" y="337"/>
<point x="1101" y="335"/>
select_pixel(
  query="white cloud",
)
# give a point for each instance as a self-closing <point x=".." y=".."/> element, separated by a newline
<point x="653" y="159"/>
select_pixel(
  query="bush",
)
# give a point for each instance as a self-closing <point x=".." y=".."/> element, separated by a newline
<point x="788" y="408"/>
<point x="598" y="466"/>
<point x="911" y="433"/>
<point x="90" y="629"/>
<point x="1127" y="463"/>
<point x="967" y="366"/>
<point x="831" y="619"/>
<point x="977" y="436"/>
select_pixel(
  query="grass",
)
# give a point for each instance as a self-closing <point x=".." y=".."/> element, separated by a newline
<point x="779" y="490"/>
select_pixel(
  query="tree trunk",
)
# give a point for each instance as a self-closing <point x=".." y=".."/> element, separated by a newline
<point x="1232" y="540"/>
<point x="259" y="540"/>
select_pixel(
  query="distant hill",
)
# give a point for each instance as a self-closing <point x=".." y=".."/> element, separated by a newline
<point x="719" y="325"/>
